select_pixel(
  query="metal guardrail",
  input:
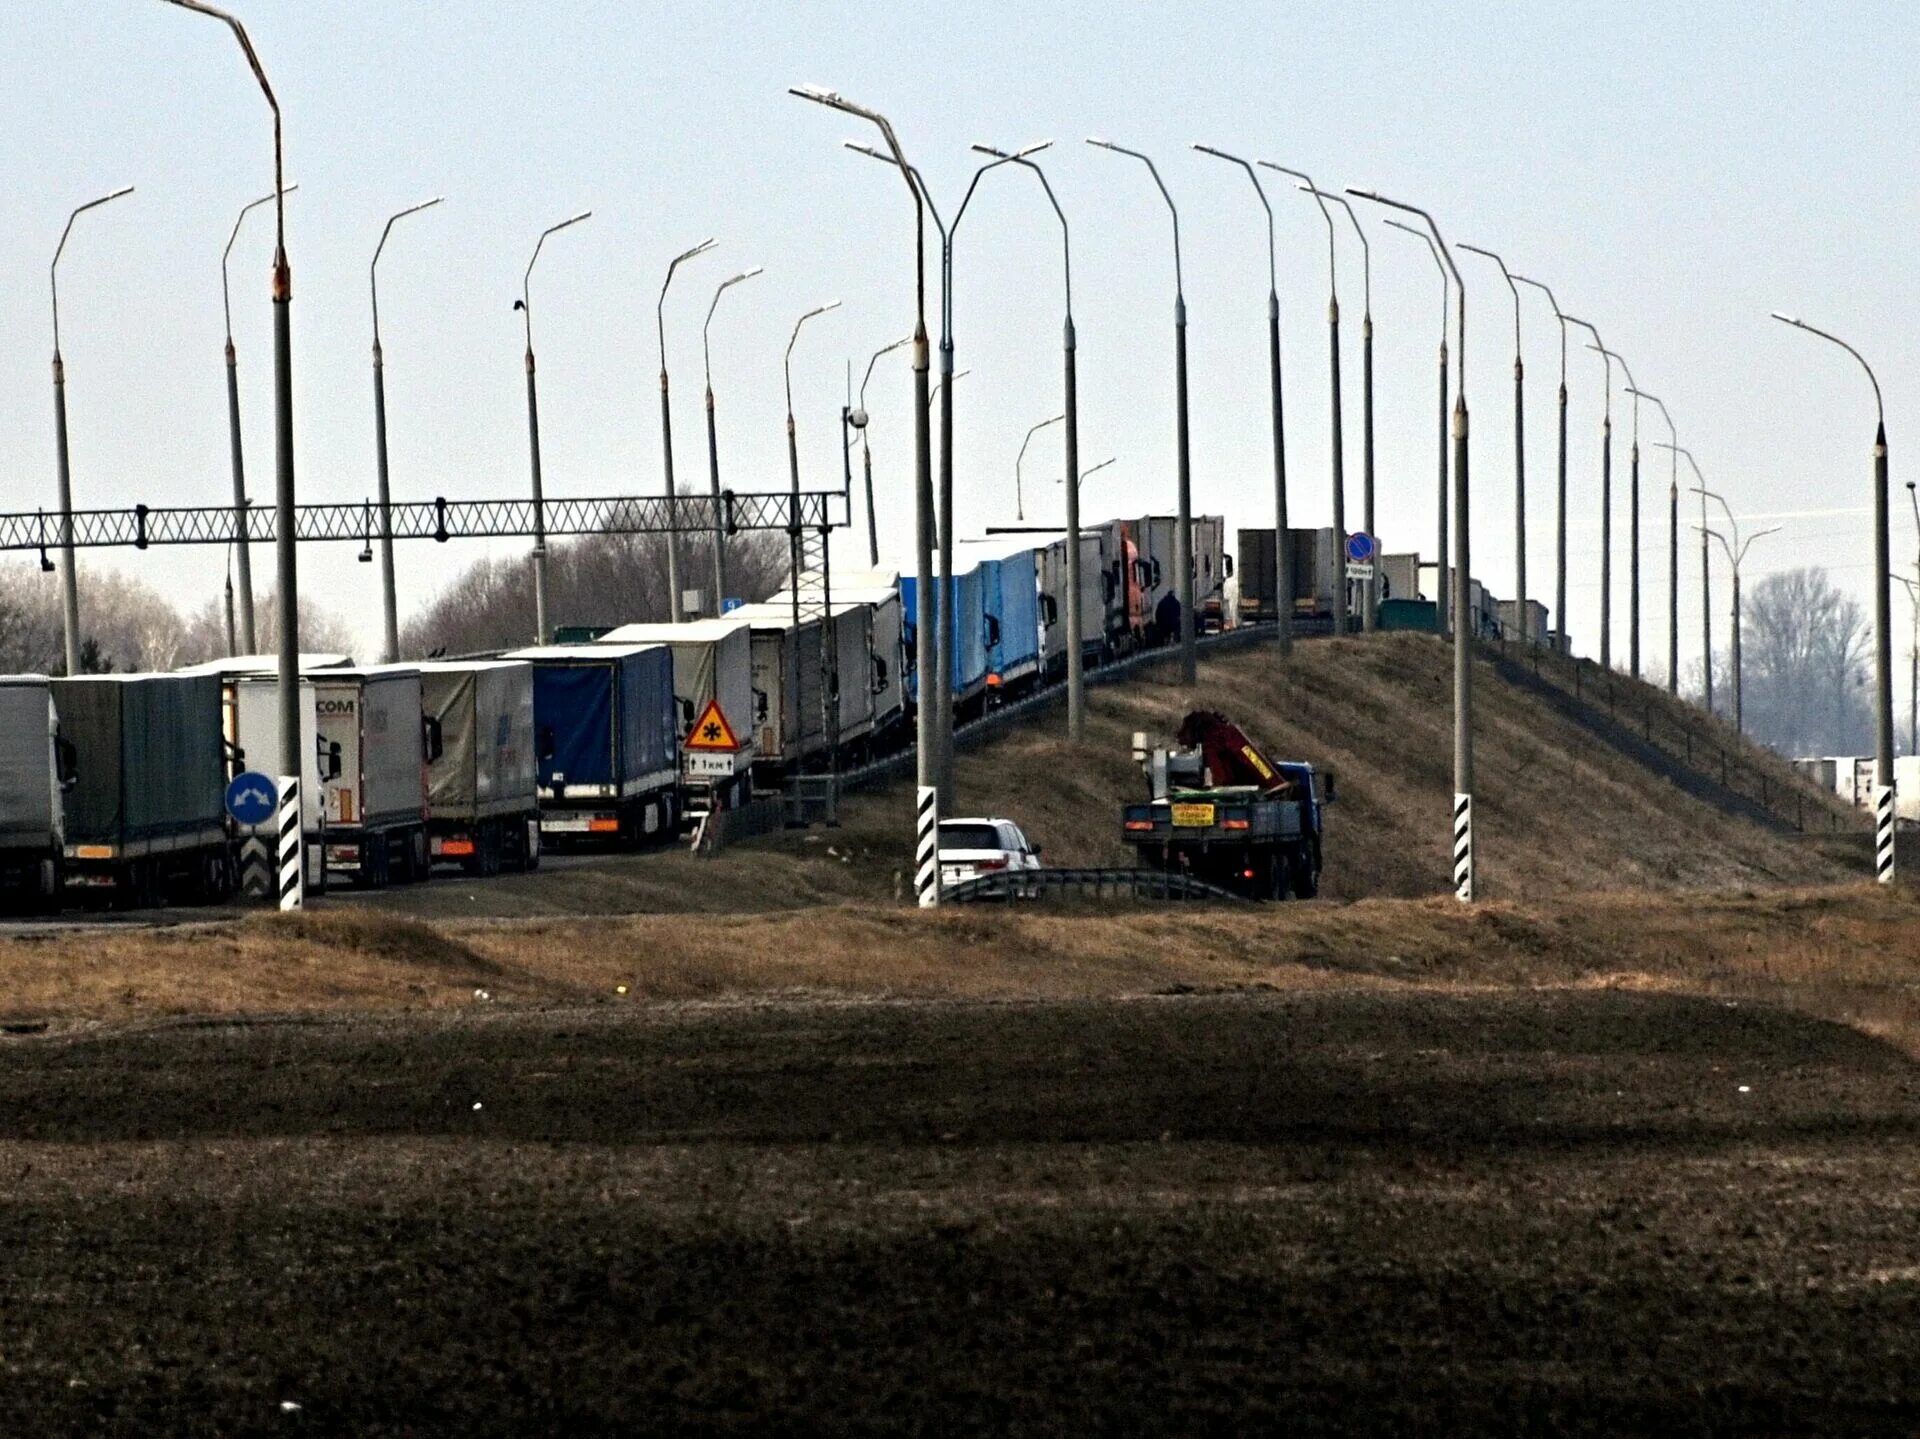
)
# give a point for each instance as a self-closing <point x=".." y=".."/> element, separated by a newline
<point x="439" y="519"/>
<point x="1039" y="884"/>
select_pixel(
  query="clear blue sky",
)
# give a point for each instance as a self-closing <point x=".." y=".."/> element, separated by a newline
<point x="1674" y="173"/>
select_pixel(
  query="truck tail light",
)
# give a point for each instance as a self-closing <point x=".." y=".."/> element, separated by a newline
<point x="991" y="864"/>
<point x="1236" y="824"/>
<point x="456" y="848"/>
<point x="1139" y="824"/>
<point x="604" y="824"/>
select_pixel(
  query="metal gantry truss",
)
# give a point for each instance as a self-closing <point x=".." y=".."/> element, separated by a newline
<point x="440" y="519"/>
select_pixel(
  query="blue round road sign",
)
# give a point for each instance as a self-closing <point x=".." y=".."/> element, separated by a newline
<point x="251" y="798"/>
<point x="1359" y="548"/>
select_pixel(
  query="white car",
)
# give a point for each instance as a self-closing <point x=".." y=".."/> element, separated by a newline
<point x="970" y="848"/>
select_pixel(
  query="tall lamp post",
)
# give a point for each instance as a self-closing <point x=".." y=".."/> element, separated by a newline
<point x="866" y="451"/>
<point x="1019" y="486"/>
<point x="676" y="610"/>
<point x="1913" y="651"/>
<point x="240" y="506"/>
<point x="1076" y="682"/>
<point x="1633" y="525"/>
<point x="525" y="305"/>
<point x="1560" y="520"/>
<point x="285" y="540"/>
<point x="1673" y="547"/>
<point x="713" y="441"/>
<point x="1333" y="362"/>
<point x="1706" y="575"/>
<point x="1882" y="619"/>
<point x="1606" y="498"/>
<point x="69" y="582"/>
<point x="1442" y="603"/>
<point x="926" y="735"/>
<point x="1736" y="556"/>
<point x="389" y="602"/>
<point x="1371" y="617"/>
<point x="1519" y="453"/>
<point x="1183" y="534"/>
<point x="945" y="613"/>
<point x="1282" y="551"/>
<point x="1463" y="885"/>
<point x="793" y="444"/>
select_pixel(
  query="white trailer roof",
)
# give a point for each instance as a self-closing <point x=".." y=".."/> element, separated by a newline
<point x="594" y="653"/>
<point x="712" y="628"/>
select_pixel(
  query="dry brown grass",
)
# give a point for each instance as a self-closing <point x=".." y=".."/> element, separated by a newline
<point x="1557" y="810"/>
<point x="1850" y="953"/>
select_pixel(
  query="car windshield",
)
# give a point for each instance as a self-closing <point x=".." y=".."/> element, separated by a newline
<point x="960" y="835"/>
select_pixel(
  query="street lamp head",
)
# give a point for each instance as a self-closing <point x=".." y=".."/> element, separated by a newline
<point x="699" y="249"/>
<point x="857" y="418"/>
<point x="1788" y="319"/>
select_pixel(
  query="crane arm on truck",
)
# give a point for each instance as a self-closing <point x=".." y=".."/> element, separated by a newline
<point x="1231" y="758"/>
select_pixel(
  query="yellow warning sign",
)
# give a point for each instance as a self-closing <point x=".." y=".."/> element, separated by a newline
<point x="711" y="731"/>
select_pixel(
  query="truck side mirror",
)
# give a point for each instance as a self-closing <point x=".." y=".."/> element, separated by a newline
<point x="879" y="675"/>
<point x="1327" y="796"/>
<point x="1226" y="562"/>
<point x="545" y="745"/>
<point x="66" y="763"/>
<point x="1049" y="611"/>
<point x="333" y="760"/>
<point x="432" y="739"/>
<point x="993" y="630"/>
<point x="686" y="713"/>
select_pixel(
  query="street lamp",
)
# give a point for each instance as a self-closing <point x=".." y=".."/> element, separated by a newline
<point x="69" y="583"/>
<point x="1372" y="616"/>
<point x="946" y="614"/>
<point x="292" y="892"/>
<point x="866" y="450"/>
<point x="1088" y="471"/>
<point x="946" y="380"/>
<point x="713" y="442"/>
<point x="793" y="446"/>
<point x="1333" y="360"/>
<point x="1462" y="585"/>
<point x="1442" y="601"/>
<point x="1736" y="556"/>
<point x="1673" y="547"/>
<point x="1706" y="575"/>
<point x="1183" y="533"/>
<point x="1882" y="620"/>
<point x="1282" y="551"/>
<point x="1519" y="452"/>
<point x="1913" y="649"/>
<point x="1633" y="525"/>
<point x="525" y="305"/>
<point x="1606" y="499"/>
<point x="389" y="606"/>
<point x="1560" y="521"/>
<point x="675" y="609"/>
<point x="1076" y="681"/>
<point x="240" y="506"/>
<point x="927" y="756"/>
<point x="1019" y="487"/>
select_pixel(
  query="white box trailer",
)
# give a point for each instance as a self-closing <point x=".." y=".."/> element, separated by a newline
<point x="253" y="737"/>
<point x="788" y="718"/>
<point x="33" y="784"/>
<point x="483" y="805"/>
<point x="712" y="664"/>
<point x="886" y="668"/>
<point x="377" y="751"/>
<point x="1097" y="590"/>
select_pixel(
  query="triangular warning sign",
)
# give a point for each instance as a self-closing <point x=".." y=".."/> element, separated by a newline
<point x="711" y="731"/>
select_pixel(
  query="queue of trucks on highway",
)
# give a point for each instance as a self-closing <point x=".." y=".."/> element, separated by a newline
<point x="112" y="786"/>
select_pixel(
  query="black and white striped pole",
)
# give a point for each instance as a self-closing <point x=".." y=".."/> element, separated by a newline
<point x="293" y="878"/>
<point x="1882" y="624"/>
<point x="926" y="847"/>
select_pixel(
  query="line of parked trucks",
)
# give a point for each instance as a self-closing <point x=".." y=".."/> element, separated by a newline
<point x="112" y="786"/>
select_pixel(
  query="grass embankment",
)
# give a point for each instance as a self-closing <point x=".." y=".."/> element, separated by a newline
<point x="1850" y="953"/>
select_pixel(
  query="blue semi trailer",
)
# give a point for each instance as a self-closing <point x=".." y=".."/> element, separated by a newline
<point x="1010" y="596"/>
<point x="607" y="742"/>
<point x="968" y="592"/>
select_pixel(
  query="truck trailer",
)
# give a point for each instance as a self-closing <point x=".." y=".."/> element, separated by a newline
<point x="606" y="742"/>
<point x="483" y="806"/>
<point x="36" y="773"/>
<point x="377" y="745"/>
<point x="1010" y="597"/>
<point x="145" y="819"/>
<point x="712" y="664"/>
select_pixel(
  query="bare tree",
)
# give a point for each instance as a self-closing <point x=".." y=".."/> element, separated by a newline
<point x="599" y="581"/>
<point x="1805" y="646"/>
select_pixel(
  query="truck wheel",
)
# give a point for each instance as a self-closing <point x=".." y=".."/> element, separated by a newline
<point x="530" y="844"/>
<point x="1306" y="879"/>
<point x="420" y="865"/>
